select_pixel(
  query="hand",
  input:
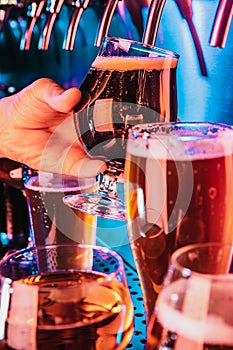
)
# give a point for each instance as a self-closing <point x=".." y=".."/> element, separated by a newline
<point x="37" y="129"/>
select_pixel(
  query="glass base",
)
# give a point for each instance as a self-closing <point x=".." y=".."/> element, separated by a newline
<point x="97" y="204"/>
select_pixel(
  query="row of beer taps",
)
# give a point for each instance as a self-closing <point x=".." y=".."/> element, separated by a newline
<point x="34" y="9"/>
<point x="52" y="8"/>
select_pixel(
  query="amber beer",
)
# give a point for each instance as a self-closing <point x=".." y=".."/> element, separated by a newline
<point x="51" y="221"/>
<point x="137" y="89"/>
<point x="212" y="333"/>
<point x="194" y="308"/>
<point x="175" y="197"/>
<point x="65" y="297"/>
<point x="74" y="317"/>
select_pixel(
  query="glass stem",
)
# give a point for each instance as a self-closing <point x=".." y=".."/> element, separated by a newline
<point x="108" y="185"/>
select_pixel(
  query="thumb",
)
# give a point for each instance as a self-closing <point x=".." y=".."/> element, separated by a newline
<point x="55" y="96"/>
<point x="64" y="101"/>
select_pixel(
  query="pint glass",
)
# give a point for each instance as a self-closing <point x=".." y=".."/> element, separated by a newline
<point x="194" y="308"/>
<point x="178" y="191"/>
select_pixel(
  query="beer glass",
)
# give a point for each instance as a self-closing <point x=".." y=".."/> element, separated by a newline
<point x="51" y="221"/>
<point x="128" y="83"/>
<point x="65" y="297"/>
<point x="178" y="191"/>
<point x="194" y="308"/>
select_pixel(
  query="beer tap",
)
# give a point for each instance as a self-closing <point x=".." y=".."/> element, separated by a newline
<point x="33" y="12"/>
<point x="105" y="21"/>
<point x="5" y="8"/>
<point x="53" y="8"/>
<point x="4" y="12"/>
<point x="221" y="23"/>
<point x="78" y="8"/>
<point x="185" y="8"/>
<point x="153" y="20"/>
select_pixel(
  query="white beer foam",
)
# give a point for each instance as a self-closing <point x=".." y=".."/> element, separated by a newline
<point x="210" y="330"/>
<point x="122" y="63"/>
<point x="182" y="148"/>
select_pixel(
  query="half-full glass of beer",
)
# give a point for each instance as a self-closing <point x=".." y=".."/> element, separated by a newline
<point x="178" y="192"/>
<point x="64" y="297"/>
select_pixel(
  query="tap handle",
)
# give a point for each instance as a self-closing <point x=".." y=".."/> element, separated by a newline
<point x="152" y="22"/>
<point x="78" y="8"/>
<point x="4" y="13"/>
<point x="221" y="23"/>
<point x="105" y="21"/>
<point x="5" y="8"/>
<point x="34" y="12"/>
<point x="53" y="8"/>
<point x="186" y="11"/>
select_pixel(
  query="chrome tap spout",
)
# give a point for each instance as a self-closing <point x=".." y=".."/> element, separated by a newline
<point x="153" y="20"/>
<point x="54" y="9"/>
<point x="105" y="21"/>
<point x="34" y="12"/>
<point x="221" y="23"/>
<point x="78" y="8"/>
<point x="5" y="9"/>
<point x="3" y="16"/>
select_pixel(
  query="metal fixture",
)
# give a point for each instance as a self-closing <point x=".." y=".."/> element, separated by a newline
<point x="33" y="9"/>
<point x="33" y="12"/>
<point x="78" y="8"/>
<point x="153" y="20"/>
<point x="221" y="23"/>
<point x="105" y="21"/>
<point x="53" y="9"/>
<point x="5" y="8"/>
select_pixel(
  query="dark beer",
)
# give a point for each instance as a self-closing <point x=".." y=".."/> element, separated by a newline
<point x="172" y="202"/>
<point x="74" y="311"/>
<point x="119" y="92"/>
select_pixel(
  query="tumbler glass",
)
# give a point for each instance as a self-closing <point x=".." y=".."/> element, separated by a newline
<point x="51" y="221"/>
<point x="64" y="297"/>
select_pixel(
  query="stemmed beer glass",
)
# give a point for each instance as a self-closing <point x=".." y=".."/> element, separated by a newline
<point x="178" y="191"/>
<point x="129" y="83"/>
<point x="194" y="307"/>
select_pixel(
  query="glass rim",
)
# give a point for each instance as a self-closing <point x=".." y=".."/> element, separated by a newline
<point x="168" y="53"/>
<point x="152" y="129"/>
<point x="52" y="181"/>
<point x="186" y="271"/>
<point x="103" y="249"/>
